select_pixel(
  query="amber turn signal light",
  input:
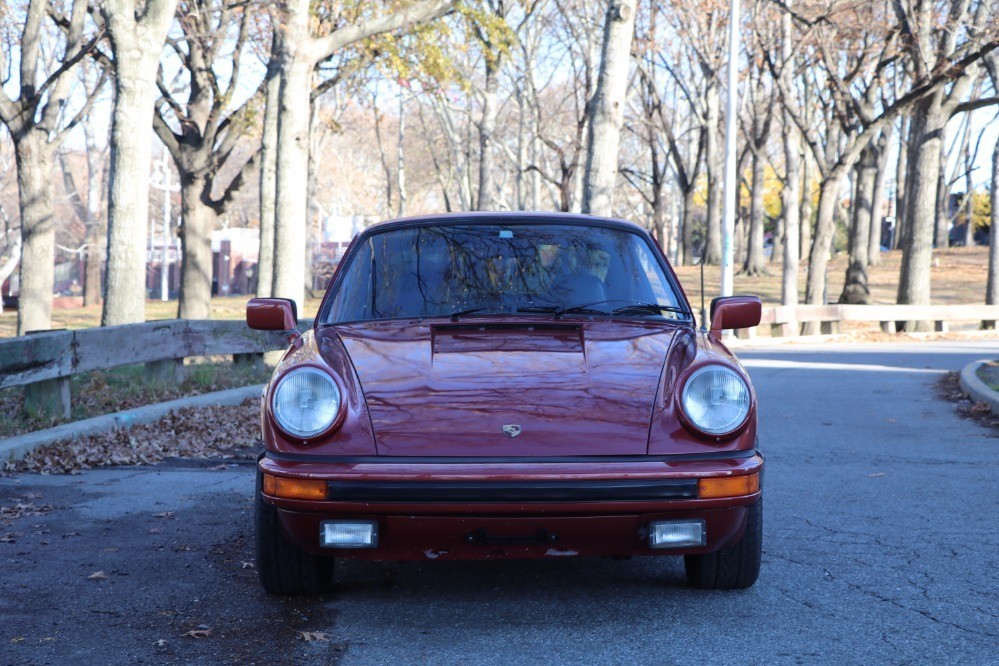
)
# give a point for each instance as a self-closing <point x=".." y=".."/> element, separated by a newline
<point x="305" y="489"/>
<point x="729" y="486"/>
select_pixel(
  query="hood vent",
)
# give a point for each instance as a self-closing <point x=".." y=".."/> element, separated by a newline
<point x="500" y="337"/>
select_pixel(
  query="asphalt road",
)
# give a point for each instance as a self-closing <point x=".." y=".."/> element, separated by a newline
<point x="881" y="545"/>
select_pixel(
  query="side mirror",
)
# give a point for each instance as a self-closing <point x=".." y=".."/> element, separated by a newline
<point x="272" y="314"/>
<point x="735" y="312"/>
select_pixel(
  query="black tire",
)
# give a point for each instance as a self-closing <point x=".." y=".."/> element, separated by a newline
<point x="285" y="568"/>
<point x="733" y="568"/>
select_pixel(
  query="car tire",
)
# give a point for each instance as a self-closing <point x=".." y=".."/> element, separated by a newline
<point x="735" y="567"/>
<point x="285" y="568"/>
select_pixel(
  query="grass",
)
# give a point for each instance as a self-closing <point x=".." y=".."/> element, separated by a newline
<point x="989" y="374"/>
<point x="109" y="391"/>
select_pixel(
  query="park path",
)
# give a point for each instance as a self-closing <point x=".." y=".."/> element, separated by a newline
<point x="880" y="546"/>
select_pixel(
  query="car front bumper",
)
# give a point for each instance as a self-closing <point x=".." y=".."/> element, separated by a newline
<point x="463" y="508"/>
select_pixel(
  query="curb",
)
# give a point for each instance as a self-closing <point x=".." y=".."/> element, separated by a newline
<point x="976" y="388"/>
<point x="15" y="448"/>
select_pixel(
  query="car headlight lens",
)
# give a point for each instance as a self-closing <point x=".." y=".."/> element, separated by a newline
<point x="306" y="402"/>
<point x="715" y="399"/>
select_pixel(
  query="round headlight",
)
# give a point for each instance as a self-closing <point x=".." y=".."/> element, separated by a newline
<point x="306" y="402"/>
<point x="715" y="399"/>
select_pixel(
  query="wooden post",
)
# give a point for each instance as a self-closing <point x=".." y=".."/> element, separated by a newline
<point x="169" y="371"/>
<point x="249" y="361"/>
<point x="48" y="399"/>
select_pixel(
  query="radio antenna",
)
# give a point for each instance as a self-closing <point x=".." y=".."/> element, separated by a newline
<point x="704" y="312"/>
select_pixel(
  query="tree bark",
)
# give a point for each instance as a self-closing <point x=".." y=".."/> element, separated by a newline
<point x="268" y="179"/>
<point x="805" y="214"/>
<point x="874" y="240"/>
<point x="790" y="198"/>
<point x="855" y="289"/>
<point x="137" y="45"/>
<point x="713" y="167"/>
<point x="688" y="258"/>
<point x="928" y="121"/>
<point x="292" y="179"/>
<point x="992" y="283"/>
<point x="756" y="261"/>
<point x="487" y="128"/>
<point x="196" y="245"/>
<point x="941" y="234"/>
<point x="815" y="288"/>
<point x="606" y="110"/>
<point x="901" y="183"/>
<point x="35" y="193"/>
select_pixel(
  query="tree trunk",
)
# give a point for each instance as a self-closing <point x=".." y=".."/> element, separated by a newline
<point x="268" y="181"/>
<point x="688" y="228"/>
<point x="901" y="184"/>
<point x="137" y="44"/>
<point x="196" y="244"/>
<point x="713" y="167"/>
<point x="815" y="288"/>
<point x="487" y="127"/>
<point x="292" y="180"/>
<point x="756" y="261"/>
<point x="855" y="289"/>
<point x="917" y="252"/>
<point x="941" y="234"/>
<point x="805" y="214"/>
<point x="400" y="164"/>
<point x="36" y="193"/>
<point x="96" y="229"/>
<point x="606" y="110"/>
<point x="992" y="285"/>
<point x="790" y="198"/>
<point x="874" y="244"/>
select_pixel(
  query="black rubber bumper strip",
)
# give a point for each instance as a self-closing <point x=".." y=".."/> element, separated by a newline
<point x="506" y="491"/>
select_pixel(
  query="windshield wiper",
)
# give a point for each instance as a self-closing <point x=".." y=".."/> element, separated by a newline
<point x="632" y="307"/>
<point x="467" y="311"/>
<point x="648" y="308"/>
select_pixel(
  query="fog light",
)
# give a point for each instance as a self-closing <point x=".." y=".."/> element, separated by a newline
<point x="348" y="534"/>
<point x="677" y="534"/>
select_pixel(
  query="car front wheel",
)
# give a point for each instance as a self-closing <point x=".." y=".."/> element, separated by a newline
<point x="285" y="568"/>
<point x="733" y="568"/>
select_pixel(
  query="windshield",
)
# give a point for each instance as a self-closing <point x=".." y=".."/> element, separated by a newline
<point x="456" y="270"/>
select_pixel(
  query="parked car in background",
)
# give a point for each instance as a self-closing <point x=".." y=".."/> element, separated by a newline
<point x="506" y="385"/>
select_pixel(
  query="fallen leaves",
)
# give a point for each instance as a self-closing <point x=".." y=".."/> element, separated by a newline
<point x="164" y="514"/>
<point x="230" y="433"/>
<point x="97" y="575"/>
<point x="199" y="633"/>
<point x="247" y="565"/>
<point x="309" y="636"/>
<point x="160" y="643"/>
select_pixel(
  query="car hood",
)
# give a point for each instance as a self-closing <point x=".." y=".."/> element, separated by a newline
<point x="501" y="388"/>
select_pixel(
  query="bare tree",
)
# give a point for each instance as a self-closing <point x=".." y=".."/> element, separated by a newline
<point x="137" y="31"/>
<point x="606" y="109"/>
<point x="298" y="55"/>
<point x="38" y="120"/>
<point x="951" y="37"/>
<point x="202" y="131"/>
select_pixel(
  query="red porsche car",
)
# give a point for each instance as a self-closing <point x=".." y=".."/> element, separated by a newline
<point x="505" y="385"/>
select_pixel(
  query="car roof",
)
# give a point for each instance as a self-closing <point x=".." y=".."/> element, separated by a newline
<point x="515" y="217"/>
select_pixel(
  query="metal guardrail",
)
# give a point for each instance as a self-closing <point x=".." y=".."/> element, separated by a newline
<point x="44" y="362"/>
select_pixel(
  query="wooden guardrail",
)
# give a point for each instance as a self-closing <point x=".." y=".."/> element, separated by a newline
<point x="44" y="362"/>
<point x="786" y="320"/>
